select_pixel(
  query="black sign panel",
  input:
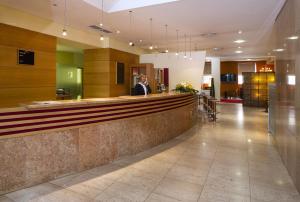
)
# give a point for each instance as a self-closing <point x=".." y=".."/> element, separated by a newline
<point x="25" y="57"/>
<point x="120" y="73"/>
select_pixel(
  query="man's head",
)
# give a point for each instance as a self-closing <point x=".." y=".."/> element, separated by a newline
<point x="142" y="78"/>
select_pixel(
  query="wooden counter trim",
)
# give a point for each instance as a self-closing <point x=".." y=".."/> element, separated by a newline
<point x="126" y="111"/>
<point x="44" y="123"/>
<point x="7" y="133"/>
<point x="92" y="105"/>
<point x="98" y="109"/>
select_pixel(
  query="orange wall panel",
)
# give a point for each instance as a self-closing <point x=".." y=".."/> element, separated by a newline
<point x="26" y="83"/>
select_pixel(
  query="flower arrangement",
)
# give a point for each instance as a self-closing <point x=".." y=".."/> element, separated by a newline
<point x="185" y="87"/>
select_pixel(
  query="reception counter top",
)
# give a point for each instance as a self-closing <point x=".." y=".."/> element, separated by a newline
<point x="42" y="141"/>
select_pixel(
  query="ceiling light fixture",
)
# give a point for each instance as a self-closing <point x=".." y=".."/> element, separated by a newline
<point x="118" y="31"/>
<point x="102" y="19"/>
<point x="184" y="47"/>
<point x="64" y="31"/>
<point x="177" y="41"/>
<point x="240" y="41"/>
<point x="191" y="47"/>
<point x="166" y="39"/>
<point x="238" y="51"/>
<point x="278" y="50"/>
<point x="239" y="47"/>
<point x="240" y="32"/>
<point x="130" y="27"/>
<point x="293" y="37"/>
<point x="151" y="44"/>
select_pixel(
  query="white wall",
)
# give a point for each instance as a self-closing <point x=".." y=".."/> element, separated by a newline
<point x="180" y="69"/>
<point x="216" y="74"/>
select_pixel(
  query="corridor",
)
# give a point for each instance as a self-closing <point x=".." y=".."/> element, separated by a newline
<point x="233" y="160"/>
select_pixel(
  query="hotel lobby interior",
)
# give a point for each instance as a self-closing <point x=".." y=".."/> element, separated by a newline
<point x="149" y="100"/>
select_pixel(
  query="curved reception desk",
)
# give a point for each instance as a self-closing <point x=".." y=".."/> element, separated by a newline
<point x="45" y="140"/>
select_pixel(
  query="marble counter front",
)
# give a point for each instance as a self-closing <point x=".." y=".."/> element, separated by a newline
<point x="46" y="140"/>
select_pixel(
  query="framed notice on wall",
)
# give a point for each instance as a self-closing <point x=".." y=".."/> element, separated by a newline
<point x="120" y="73"/>
<point x="25" y="57"/>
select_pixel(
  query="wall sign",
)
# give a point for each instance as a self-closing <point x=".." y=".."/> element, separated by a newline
<point x="25" y="57"/>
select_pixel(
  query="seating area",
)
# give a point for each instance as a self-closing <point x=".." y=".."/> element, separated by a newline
<point x="209" y="106"/>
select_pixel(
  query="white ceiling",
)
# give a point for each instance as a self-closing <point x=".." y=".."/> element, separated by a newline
<point x="191" y="17"/>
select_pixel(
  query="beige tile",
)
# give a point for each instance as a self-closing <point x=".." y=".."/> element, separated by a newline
<point x="47" y="192"/>
<point x="238" y="186"/>
<point x="111" y="171"/>
<point x="194" y="162"/>
<point x="141" y="179"/>
<point x="153" y="166"/>
<point x="179" y="190"/>
<point x="271" y="194"/>
<point x="228" y="171"/>
<point x="123" y="192"/>
<point x="160" y="198"/>
<point x="216" y="195"/>
<point x="188" y="174"/>
<point x="5" y="199"/>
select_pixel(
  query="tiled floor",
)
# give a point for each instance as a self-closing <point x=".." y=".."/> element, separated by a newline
<point x="230" y="161"/>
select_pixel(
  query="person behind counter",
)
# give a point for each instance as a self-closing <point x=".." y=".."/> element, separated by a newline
<point x="142" y="87"/>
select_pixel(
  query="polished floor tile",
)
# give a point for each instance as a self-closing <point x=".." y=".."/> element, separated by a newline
<point x="233" y="160"/>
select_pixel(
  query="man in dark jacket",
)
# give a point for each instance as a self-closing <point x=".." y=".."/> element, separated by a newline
<point x="142" y="87"/>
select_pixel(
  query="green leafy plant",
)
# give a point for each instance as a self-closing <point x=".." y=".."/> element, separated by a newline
<point x="185" y="87"/>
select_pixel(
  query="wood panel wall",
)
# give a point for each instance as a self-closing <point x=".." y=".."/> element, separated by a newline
<point x="26" y="83"/>
<point x="229" y="67"/>
<point x="99" y="72"/>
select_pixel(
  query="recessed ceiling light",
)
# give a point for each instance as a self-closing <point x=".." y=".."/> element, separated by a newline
<point x="140" y="40"/>
<point x="216" y="49"/>
<point x="240" y="31"/>
<point x="240" y="41"/>
<point x="64" y="32"/>
<point x="249" y="59"/>
<point x="238" y="51"/>
<point x="293" y="37"/>
<point x="278" y="50"/>
<point x="239" y="47"/>
<point x="118" y="32"/>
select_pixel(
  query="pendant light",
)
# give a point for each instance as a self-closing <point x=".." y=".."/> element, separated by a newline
<point x="191" y="47"/>
<point x="130" y="27"/>
<point x="177" y="51"/>
<point x="184" y="47"/>
<point x="64" y="31"/>
<point x="151" y="43"/>
<point x="101" y="21"/>
<point x="167" y="50"/>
